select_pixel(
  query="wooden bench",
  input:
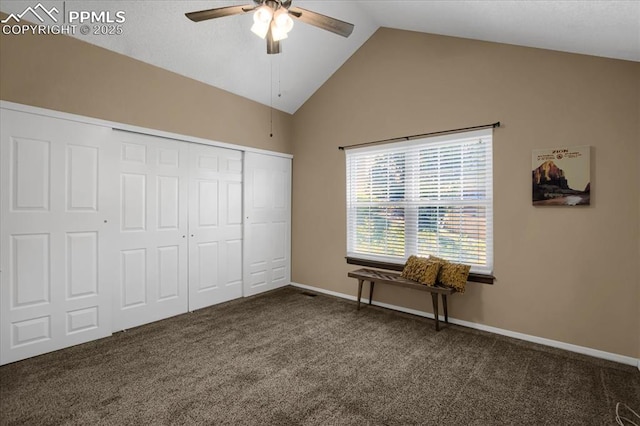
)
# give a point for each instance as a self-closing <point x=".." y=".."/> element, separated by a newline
<point x="391" y="278"/>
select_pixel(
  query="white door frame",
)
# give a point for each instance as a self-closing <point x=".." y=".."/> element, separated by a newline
<point x="134" y="129"/>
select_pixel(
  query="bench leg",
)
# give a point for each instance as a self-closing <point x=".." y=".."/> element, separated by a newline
<point x="434" y="299"/>
<point x="371" y="291"/>
<point x="444" y="305"/>
<point x="359" y="292"/>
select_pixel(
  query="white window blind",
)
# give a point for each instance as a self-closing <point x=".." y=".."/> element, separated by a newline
<point x="431" y="196"/>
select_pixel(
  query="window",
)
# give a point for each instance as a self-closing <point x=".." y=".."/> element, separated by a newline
<point x="429" y="196"/>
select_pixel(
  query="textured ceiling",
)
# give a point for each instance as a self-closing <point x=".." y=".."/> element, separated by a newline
<point x="224" y="53"/>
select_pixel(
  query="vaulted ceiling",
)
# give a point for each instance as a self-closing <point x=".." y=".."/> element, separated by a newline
<point x="225" y="53"/>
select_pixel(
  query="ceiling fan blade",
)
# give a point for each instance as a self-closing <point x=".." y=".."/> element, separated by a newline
<point x="321" y="21"/>
<point x="219" y="12"/>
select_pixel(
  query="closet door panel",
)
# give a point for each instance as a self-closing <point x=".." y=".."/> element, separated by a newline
<point x="152" y="250"/>
<point x="57" y="245"/>
<point x="215" y="225"/>
<point x="267" y="235"/>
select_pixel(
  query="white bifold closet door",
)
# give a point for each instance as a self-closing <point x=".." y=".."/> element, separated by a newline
<point x="56" y="235"/>
<point x="267" y="236"/>
<point x="180" y="229"/>
<point x="153" y="250"/>
<point x="103" y="230"/>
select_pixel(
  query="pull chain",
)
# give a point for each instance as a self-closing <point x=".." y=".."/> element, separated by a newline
<point x="271" y="100"/>
<point x="279" y="78"/>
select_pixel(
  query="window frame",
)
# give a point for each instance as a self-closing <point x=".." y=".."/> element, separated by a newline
<point x="479" y="273"/>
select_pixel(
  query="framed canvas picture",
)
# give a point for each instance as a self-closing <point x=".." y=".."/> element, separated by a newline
<point x="561" y="176"/>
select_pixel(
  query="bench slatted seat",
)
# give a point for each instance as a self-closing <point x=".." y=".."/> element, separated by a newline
<point x="391" y="278"/>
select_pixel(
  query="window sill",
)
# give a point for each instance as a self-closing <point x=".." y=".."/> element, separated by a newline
<point x="476" y="278"/>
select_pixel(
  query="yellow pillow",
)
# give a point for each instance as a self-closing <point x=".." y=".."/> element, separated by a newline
<point x="454" y="275"/>
<point x="414" y="268"/>
<point x="421" y="269"/>
<point x="430" y="273"/>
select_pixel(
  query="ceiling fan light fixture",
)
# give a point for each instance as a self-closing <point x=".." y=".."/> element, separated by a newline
<point x="260" y="29"/>
<point x="282" y="20"/>
<point x="273" y="20"/>
<point x="277" y="33"/>
<point x="261" y="21"/>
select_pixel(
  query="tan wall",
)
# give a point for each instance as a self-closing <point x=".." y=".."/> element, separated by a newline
<point x="567" y="274"/>
<point x="65" y="74"/>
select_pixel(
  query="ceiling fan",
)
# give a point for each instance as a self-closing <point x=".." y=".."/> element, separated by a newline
<point x="272" y="19"/>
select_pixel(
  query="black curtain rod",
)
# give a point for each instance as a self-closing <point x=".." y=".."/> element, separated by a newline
<point x="408" y="138"/>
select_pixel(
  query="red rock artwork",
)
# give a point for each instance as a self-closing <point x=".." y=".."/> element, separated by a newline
<point x="561" y="177"/>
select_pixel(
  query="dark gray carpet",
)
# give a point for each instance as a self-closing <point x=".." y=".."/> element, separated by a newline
<point x="285" y="358"/>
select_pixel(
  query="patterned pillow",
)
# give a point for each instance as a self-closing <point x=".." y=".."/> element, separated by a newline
<point x="430" y="273"/>
<point x="421" y="269"/>
<point x="454" y="275"/>
<point x="414" y="268"/>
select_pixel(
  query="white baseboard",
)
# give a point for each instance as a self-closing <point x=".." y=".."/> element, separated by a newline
<point x="521" y="336"/>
